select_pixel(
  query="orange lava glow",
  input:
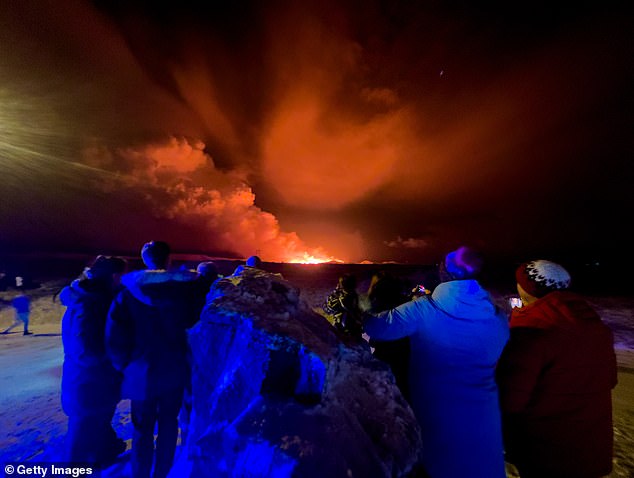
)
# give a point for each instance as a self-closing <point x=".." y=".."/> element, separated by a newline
<point x="307" y="258"/>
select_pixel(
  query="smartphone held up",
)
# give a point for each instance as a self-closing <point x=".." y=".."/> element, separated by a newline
<point x="515" y="302"/>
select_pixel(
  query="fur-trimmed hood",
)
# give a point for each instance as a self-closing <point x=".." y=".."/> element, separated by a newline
<point x="155" y="287"/>
<point x="82" y="288"/>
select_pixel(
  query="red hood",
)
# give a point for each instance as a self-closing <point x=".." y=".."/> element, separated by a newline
<point x="557" y="309"/>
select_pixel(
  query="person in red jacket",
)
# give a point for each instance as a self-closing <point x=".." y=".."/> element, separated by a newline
<point x="555" y="378"/>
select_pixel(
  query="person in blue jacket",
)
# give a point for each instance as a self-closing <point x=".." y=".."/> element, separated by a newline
<point x="22" y="307"/>
<point x="146" y="339"/>
<point x="90" y="384"/>
<point x="253" y="262"/>
<point x="456" y="336"/>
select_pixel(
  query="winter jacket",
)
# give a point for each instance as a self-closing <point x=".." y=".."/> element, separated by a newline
<point x="21" y="304"/>
<point x="343" y="307"/>
<point x="555" y="377"/>
<point x="456" y="335"/>
<point x="146" y="331"/>
<point x="90" y="384"/>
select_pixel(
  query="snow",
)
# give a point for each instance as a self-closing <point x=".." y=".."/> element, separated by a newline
<point x="30" y="411"/>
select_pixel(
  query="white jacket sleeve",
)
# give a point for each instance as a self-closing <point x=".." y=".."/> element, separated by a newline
<point x="395" y="323"/>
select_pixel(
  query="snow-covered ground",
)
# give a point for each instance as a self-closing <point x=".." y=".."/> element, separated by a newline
<point x="32" y="424"/>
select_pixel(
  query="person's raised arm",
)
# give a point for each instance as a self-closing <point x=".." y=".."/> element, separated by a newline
<point x="393" y="324"/>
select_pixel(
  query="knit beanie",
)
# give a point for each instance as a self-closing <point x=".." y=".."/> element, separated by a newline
<point x="538" y="278"/>
<point x="463" y="263"/>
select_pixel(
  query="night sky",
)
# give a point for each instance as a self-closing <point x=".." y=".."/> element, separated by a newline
<point x="350" y="130"/>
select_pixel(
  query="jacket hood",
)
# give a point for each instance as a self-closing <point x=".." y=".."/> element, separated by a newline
<point x="464" y="298"/>
<point x="155" y="287"/>
<point x="79" y="289"/>
<point x="557" y="309"/>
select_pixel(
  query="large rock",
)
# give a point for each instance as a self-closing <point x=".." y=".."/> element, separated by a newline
<point x="277" y="392"/>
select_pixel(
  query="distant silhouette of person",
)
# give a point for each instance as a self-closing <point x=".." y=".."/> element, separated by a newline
<point x="208" y="271"/>
<point x="342" y="305"/>
<point x="91" y="387"/>
<point x="22" y="306"/>
<point x="146" y="339"/>
<point x="457" y="335"/>
<point x="207" y="274"/>
<point x="384" y="293"/>
<point x="556" y="376"/>
<point x="252" y="262"/>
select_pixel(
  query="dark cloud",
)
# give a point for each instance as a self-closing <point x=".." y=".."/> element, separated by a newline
<point x="357" y="130"/>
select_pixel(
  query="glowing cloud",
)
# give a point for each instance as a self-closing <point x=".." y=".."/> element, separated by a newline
<point x="320" y="166"/>
<point x="316" y="152"/>
<point x="179" y="181"/>
<point x="363" y="130"/>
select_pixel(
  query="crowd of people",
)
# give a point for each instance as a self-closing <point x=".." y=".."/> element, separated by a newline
<point x="124" y="336"/>
<point x="532" y="389"/>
